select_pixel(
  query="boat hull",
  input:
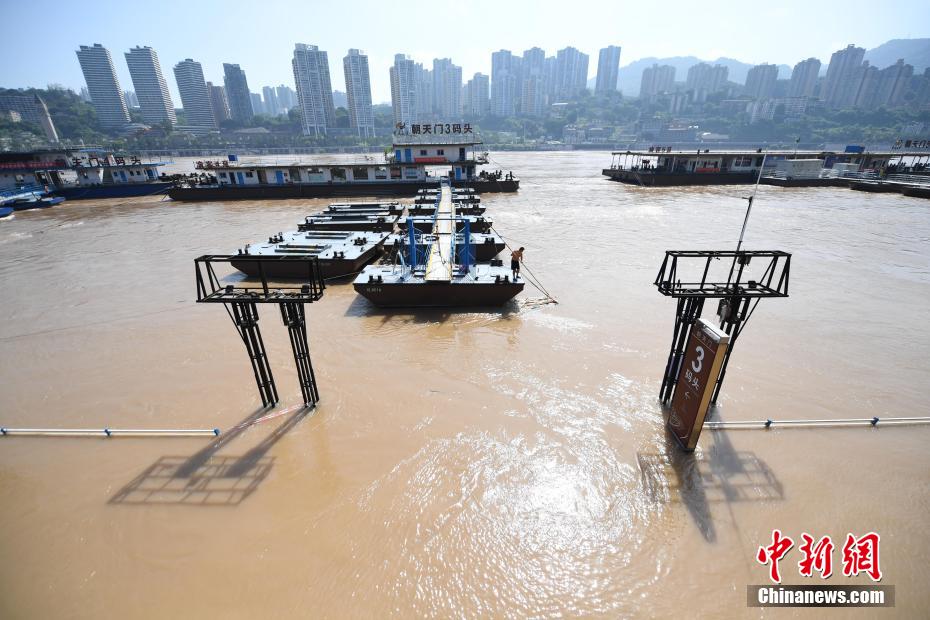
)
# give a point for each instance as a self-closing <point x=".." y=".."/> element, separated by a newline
<point x="328" y="190"/>
<point x="670" y="179"/>
<point x="293" y="270"/>
<point x="916" y="192"/>
<point x="874" y="187"/>
<point x="112" y="191"/>
<point x="456" y="294"/>
<point x="818" y="182"/>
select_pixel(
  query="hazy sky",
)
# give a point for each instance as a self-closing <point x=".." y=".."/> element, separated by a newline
<point x="41" y="36"/>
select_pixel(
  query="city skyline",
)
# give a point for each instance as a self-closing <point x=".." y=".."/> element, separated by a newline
<point x="265" y="55"/>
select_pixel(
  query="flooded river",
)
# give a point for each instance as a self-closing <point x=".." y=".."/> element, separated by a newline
<point x="504" y="464"/>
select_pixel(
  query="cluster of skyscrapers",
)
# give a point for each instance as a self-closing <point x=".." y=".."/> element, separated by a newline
<point x="205" y="105"/>
<point x="849" y="82"/>
<point x="518" y="85"/>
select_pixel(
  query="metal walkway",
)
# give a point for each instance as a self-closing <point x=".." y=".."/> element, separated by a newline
<point x="439" y="266"/>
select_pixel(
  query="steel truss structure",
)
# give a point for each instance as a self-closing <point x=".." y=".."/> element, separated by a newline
<point x="739" y="293"/>
<point x="241" y="299"/>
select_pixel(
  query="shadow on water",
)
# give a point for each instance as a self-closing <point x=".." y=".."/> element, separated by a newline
<point x="719" y="474"/>
<point x="207" y="478"/>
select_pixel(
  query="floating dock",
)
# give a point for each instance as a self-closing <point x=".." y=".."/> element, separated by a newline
<point x="395" y="287"/>
<point x="476" y="223"/>
<point x="339" y="253"/>
<point x="381" y="221"/>
<point x="437" y="263"/>
<point x="483" y="246"/>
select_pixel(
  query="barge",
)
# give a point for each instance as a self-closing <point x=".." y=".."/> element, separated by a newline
<point x="405" y="171"/>
<point x="339" y="254"/>
<point x="78" y="174"/>
<point x="437" y="269"/>
<point x="398" y="287"/>
<point x="382" y="221"/>
<point x="476" y="223"/>
<point x="483" y="246"/>
<point x="661" y="166"/>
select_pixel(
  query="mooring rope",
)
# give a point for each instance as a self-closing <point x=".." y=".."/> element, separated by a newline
<point x="532" y="279"/>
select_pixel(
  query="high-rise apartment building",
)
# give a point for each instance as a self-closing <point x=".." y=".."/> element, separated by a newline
<point x="571" y="73"/>
<point x="447" y="89"/>
<point x="882" y="88"/>
<point x="195" y="96"/>
<point x="272" y="106"/>
<point x="404" y="89"/>
<point x="505" y="83"/>
<point x="238" y="95"/>
<point x="608" y="69"/>
<point x="258" y="107"/>
<point x="424" y="93"/>
<point x="476" y="96"/>
<point x="358" y="93"/>
<point x="705" y="79"/>
<point x="314" y="89"/>
<point x="760" y="81"/>
<point x="287" y="98"/>
<point x="656" y="80"/>
<point x="844" y="73"/>
<point x="151" y="87"/>
<point x="103" y="86"/>
<point x="219" y="102"/>
<point x="532" y="94"/>
<point x="804" y="78"/>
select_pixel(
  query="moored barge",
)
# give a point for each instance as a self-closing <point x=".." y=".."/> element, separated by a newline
<point x="484" y="246"/>
<point x="661" y="166"/>
<point x="398" y="287"/>
<point x="339" y="253"/>
<point x="404" y="171"/>
<point x="77" y="174"/>
<point x="374" y="222"/>
<point x="436" y="266"/>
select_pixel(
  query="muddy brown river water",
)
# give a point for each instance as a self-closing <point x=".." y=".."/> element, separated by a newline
<point x="493" y="464"/>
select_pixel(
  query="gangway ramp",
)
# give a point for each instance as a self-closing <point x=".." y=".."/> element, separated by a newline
<point x="439" y="267"/>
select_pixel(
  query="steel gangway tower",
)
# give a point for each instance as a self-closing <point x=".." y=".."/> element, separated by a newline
<point x="692" y="277"/>
<point x="242" y="297"/>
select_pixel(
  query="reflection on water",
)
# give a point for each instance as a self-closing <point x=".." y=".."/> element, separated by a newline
<point x="501" y="462"/>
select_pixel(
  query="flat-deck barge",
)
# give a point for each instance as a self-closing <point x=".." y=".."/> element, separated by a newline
<point x="339" y="253"/>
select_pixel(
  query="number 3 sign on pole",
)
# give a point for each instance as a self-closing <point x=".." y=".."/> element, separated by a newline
<point x="696" y="379"/>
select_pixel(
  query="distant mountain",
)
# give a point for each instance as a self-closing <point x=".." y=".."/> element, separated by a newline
<point x="914" y="52"/>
